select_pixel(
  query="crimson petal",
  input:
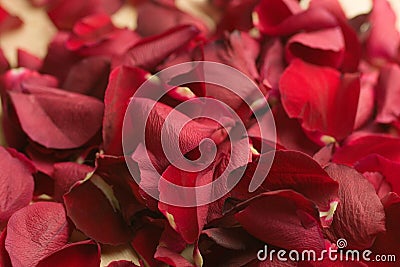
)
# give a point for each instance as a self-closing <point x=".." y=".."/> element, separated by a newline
<point x="316" y="96"/>
<point x="16" y="183"/>
<point x="8" y="21"/>
<point x="27" y="60"/>
<point x="5" y="260"/>
<point x="80" y="254"/>
<point x="36" y="231"/>
<point x="388" y="94"/>
<point x="359" y="217"/>
<point x="122" y="263"/>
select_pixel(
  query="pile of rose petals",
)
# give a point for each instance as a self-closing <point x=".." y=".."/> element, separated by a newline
<point x="333" y="85"/>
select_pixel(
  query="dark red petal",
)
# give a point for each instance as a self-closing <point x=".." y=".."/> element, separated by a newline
<point x="29" y="61"/>
<point x="122" y="263"/>
<point x="93" y="208"/>
<point x="384" y="39"/>
<point x="187" y="221"/>
<point x="283" y="218"/>
<point x="145" y="242"/>
<point x="81" y="254"/>
<point x="171" y="258"/>
<point x="151" y="51"/>
<point x="72" y="119"/>
<point x="358" y="148"/>
<point x="4" y="65"/>
<point x="387" y="168"/>
<point x="272" y="64"/>
<point x="36" y="231"/>
<point x="123" y="83"/>
<point x="359" y="217"/>
<point x="89" y="77"/>
<point x="168" y="16"/>
<point x="64" y="14"/>
<point x="323" y="47"/>
<point x="8" y="21"/>
<point x="66" y="174"/>
<point x="388" y="243"/>
<point x="285" y="17"/>
<point x="16" y="184"/>
<point x="316" y="95"/>
<point x="5" y="260"/>
<point x="388" y="94"/>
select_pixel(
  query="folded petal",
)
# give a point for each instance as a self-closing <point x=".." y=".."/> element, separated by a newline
<point x="8" y="21"/>
<point x="360" y="216"/>
<point x="316" y="96"/>
<point x="122" y="263"/>
<point x="80" y="254"/>
<point x="35" y="232"/>
<point x="16" y="183"/>
<point x="388" y="94"/>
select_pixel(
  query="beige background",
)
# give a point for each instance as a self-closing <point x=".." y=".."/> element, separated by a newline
<point x="37" y="31"/>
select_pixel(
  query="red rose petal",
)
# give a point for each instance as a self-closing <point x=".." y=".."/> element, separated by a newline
<point x="73" y="119"/>
<point x="145" y="242"/>
<point x="388" y="94"/>
<point x="8" y="21"/>
<point x="316" y="95"/>
<point x="273" y="64"/>
<point x="5" y="260"/>
<point x="359" y="217"/>
<point x="29" y="61"/>
<point x="283" y="218"/>
<point x="4" y="65"/>
<point x="168" y="16"/>
<point x="151" y="51"/>
<point x="358" y="148"/>
<point x="384" y="39"/>
<point x="323" y="47"/>
<point x="122" y="263"/>
<point x="93" y="208"/>
<point x="123" y="83"/>
<point x="81" y="254"/>
<point x="66" y="174"/>
<point x="64" y="14"/>
<point x="171" y="258"/>
<point x="16" y="184"/>
<point x="36" y="231"/>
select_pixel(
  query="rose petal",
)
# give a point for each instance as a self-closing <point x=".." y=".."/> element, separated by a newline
<point x="316" y="96"/>
<point x="145" y="242"/>
<point x="122" y="263"/>
<point x="273" y="64"/>
<point x="283" y="218"/>
<point x="323" y="47"/>
<point x="93" y="208"/>
<point x="64" y="14"/>
<point x="73" y="119"/>
<point x="5" y="260"/>
<point x="4" y="65"/>
<point x="80" y="254"/>
<point x="360" y="147"/>
<point x="147" y="54"/>
<point x="28" y="60"/>
<point x="359" y="217"/>
<point x="16" y="184"/>
<point x="388" y="94"/>
<point x="169" y="16"/>
<point x="384" y="39"/>
<point x="36" y="231"/>
<point x="123" y="83"/>
<point x="8" y="21"/>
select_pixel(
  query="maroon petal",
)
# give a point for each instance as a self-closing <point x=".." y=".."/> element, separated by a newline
<point x="36" y="231"/>
<point x="169" y="16"/>
<point x="122" y="263"/>
<point x="93" y="208"/>
<point x="388" y="94"/>
<point x="27" y="60"/>
<point x="384" y="39"/>
<point x="316" y="95"/>
<point x="66" y="174"/>
<point x="171" y="258"/>
<point x="283" y="218"/>
<point x="285" y="17"/>
<point x="4" y="65"/>
<point x="5" y="260"/>
<point x="145" y="242"/>
<point x="72" y="119"/>
<point x="8" y="21"/>
<point x="323" y="47"/>
<point x="387" y="168"/>
<point x="81" y="254"/>
<point x="123" y="83"/>
<point x="16" y="183"/>
<point x="151" y="51"/>
<point x="388" y="243"/>
<point x="359" y="217"/>
<point x="64" y="14"/>
<point x="358" y="148"/>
